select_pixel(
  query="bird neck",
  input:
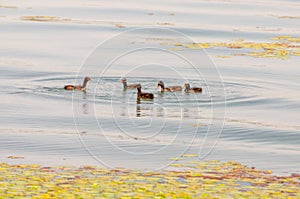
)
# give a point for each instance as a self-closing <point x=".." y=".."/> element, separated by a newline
<point x="187" y="88"/>
<point x="84" y="83"/>
<point x="125" y="84"/>
<point x="139" y="91"/>
<point x="162" y="87"/>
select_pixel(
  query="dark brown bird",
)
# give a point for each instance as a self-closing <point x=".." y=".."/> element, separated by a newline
<point x="78" y="87"/>
<point x="188" y="89"/>
<point x="143" y="95"/>
<point x="171" y="88"/>
<point x="130" y="86"/>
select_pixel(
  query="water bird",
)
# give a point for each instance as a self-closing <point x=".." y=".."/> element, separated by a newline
<point x="130" y="86"/>
<point x="188" y="89"/>
<point x="171" y="88"/>
<point x="78" y="87"/>
<point x="140" y="94"/>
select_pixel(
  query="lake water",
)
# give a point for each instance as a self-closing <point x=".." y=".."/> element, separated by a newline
<point x="249" y="111"/>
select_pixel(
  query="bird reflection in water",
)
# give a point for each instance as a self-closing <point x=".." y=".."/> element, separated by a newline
<point x="85" y="105"/>
<point x="160" y="110"/>
<point x="138" y="108"/>
<point x="186" y="113"/>
<point x="143" y="108"/>
<point x="124" y="104"/>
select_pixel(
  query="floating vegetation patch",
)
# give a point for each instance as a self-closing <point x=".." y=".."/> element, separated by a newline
<point x="9" y="7"/>
<point x="287" y="39"/>
<point x="283" y="48"/>
<point x="120" y="26"/>
<point x="43" y="18"/>
<point x="71" y="21"/>
<point x="117" y="24"/>
<point x="15" y="157"/>
<point x="286" y="17"/>
<point x="165" y="24"/>
<point x="209" y="179"/>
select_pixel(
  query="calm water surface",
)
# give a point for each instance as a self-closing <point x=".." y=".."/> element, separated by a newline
<point x="248" y="112"/>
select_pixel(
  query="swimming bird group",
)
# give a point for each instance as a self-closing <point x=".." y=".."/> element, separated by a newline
<point x="141" y="94"/>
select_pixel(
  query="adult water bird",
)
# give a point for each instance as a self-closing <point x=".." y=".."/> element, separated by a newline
<point x="170" y="88"/>
<point x="130" y="86"/>
<point x="140" y="94"/>
<point x="78" y="87"/>
<point x="188" y="89"/>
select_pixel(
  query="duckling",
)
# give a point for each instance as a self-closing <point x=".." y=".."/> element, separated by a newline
<point x="131" y="86"/>
<point x="171" y="88"/>
<point x="143" y="95"/>
<point x="78" y="87"/>
<point x="188" y="89"/>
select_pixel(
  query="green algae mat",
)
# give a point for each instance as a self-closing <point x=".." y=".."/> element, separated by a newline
<point x="195" y="179"/>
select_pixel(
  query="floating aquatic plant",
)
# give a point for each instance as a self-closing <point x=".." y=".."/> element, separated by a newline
<point x="41" y="18"/>
<point x="283" y="48"/>
<point x="209" y="179"/>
